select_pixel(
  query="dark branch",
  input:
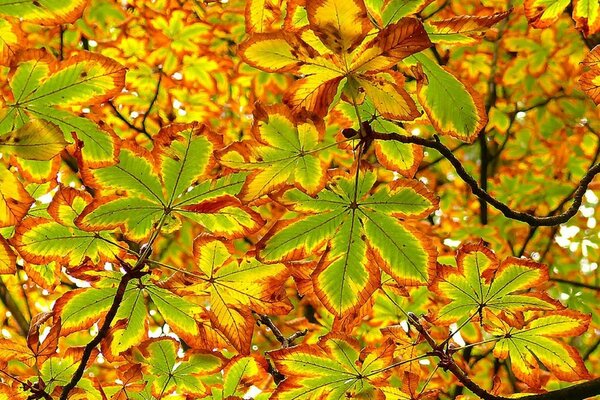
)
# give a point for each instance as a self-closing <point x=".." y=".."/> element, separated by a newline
<point x="580" y="391"/>
<point x="533" y="220"/>
<point x="103" y="331"/>
<point x="127" y="122"/>
<point x="156" y="90"/>
<point x="285" y="342"/>
<point x="575" y="283"/>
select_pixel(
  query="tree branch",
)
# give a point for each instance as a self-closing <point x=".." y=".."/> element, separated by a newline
<point x="579" y="391"/>
<point x="285" y="342"/>
<point x="103" y="331"/>
<point x="575" y="283"/>
<point x="532" y="220"/>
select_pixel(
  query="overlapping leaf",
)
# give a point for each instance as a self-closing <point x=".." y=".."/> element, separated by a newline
<point x="403" y="158"/>
<point x="234" y="289"/>
<point x="335" y="52"/>
<point x="482" y="283"/>
<point x="171" y="182"/>
<point x="261" y="14"/>
<point x="11" y="40"/>
<point x="285" y="154"/>
<point x="41" y="240"/>
<point x="334" y="368"/>
<point x="360" y="233"/>
<point x="40" y="83"/>
<point x="539" y="340"/>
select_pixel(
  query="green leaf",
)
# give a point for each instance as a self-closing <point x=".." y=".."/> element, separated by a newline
<point x="539" y="341"/>
<point x="36" y="140"/>
<point x="167" y="372"/>
<point x="439" y="92"/>
<point x="352" y="234"/>
<point x="285" y="155"/>
<point x="40" y="83"/>
<point x="171" y="182"/>
<point x="396" y="9"/>
<point x="41" y="240"/>
<point x="480" y="282"/>
<point x="334" y="368"/>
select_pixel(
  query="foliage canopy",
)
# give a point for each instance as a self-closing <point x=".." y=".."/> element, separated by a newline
<point x="299" y="199"/>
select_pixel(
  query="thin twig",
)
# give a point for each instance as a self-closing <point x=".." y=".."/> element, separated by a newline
<point x="127" y="122"/>
<point x="156" y="90"/>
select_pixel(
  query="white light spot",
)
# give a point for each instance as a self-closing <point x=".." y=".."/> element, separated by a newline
<point x="591" y="197"/>
<point x="452" y="243"/>
<point x="177" y="76"/>
<point x="252" y="393"/>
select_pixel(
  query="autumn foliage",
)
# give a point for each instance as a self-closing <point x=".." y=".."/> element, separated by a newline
<point x="299" y="199"/>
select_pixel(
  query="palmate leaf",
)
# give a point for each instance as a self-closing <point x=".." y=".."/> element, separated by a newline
<point x="336" y="50"/>
<point x="171" y="182"/>
<point x="284" y="154"/>
<point x="44" y="12"/>
<point x="40" y="83"/>
<point x="166" y="372"/>
<point x="41" y="240"/>
<point x="359" y="237"/>
<point x="234" y="289"/>
<point x="539" y="340"/>
<point x="334" y="368"/>
<point x="480" y="283"/>
<point x="439" y="91"/>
